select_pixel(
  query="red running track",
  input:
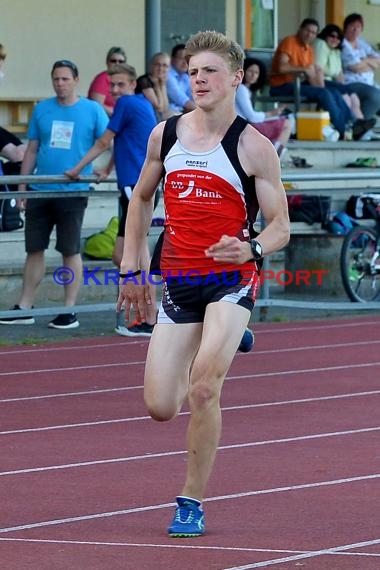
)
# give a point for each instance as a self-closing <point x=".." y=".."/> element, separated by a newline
<point x="87" y="480"/>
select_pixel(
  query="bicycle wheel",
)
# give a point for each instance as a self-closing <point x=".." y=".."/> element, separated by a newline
<point x="358" y="249"/>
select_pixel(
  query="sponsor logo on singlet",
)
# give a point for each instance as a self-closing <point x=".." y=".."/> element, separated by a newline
<point x="197" y="163"/>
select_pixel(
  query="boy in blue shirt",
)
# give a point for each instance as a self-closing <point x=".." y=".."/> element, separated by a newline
<point x="130" y="125"/>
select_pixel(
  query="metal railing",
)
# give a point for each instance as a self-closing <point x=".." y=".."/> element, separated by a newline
<point x="264" y="302"/>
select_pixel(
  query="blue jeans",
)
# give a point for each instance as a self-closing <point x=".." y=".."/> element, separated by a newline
<point x="369" y="96"/>
<point x="327" y="98"/>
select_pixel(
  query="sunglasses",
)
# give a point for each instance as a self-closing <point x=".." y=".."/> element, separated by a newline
<point x="66" y="63"/>
<point x="334" y="36"/>
<point x="117" y="60"/>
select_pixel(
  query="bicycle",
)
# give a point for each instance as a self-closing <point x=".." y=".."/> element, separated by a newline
<point x="360" y="255"/>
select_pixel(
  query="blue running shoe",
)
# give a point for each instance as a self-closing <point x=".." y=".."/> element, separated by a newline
<point x="247" y="341"/>
<point x="188" y="520"/>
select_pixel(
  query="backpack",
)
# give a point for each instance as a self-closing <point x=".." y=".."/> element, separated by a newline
<point x="169" y="137"/>
<point x="101" y="244"/>
<point x="308" y="208"/>
<point x="340" y="224"/>
<point x="10" y="218"/>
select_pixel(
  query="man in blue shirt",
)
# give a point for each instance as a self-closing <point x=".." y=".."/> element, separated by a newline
<point x="130" y="125"/>
<point x="62" y="129"/>
<point x="178" y="83"/>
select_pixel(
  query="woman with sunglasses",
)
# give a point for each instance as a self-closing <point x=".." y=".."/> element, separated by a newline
<point x="99" y="89"/>
<point x="327" y="49"/>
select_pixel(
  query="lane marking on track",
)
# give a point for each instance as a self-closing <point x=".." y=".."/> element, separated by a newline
<point x="345" y="324"/>
<point x="297" y="348"/>
<point x="242" y="495"/>
<point x="181" y="414"/>
<point x="258" y="375"/>
<point x="314" y="554"/>
<point x="72" y="368"/>
<point x="150" y="545"/>
<point x="127" y="388"/>
<point x="72" y="394"/>
<point x="183" y="452"/>
<point x="175" y="546"/>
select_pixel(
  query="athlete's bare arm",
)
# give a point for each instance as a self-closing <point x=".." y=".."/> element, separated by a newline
<point x="135" y="291"/>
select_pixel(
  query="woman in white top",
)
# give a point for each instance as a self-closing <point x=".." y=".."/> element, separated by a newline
<point x="271" y="124"/>
<point x="360" y="61"/>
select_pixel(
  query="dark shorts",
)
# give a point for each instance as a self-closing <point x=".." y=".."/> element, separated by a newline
<point x="123" y="207"/>
<point x="42" y="214"/>
<point x="185" y="298"/>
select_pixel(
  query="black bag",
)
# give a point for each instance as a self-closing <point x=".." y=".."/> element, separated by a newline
<point x="310" y="209"/>
<point x="361" y="207"/>
<point x="10" y="218"/>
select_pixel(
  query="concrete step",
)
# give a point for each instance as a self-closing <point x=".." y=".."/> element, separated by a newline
<point x="333" y="155"/>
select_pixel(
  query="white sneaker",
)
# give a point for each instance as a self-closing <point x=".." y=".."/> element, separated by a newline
<point x="370" y="136"/>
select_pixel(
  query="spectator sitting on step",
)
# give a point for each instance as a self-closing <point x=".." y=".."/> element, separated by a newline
<point x="360" y="60"/>
<point x="271" y="124"/>
<point x="295" y="55"/>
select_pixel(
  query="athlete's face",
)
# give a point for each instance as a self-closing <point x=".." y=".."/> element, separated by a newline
<point x="212" y="80"/>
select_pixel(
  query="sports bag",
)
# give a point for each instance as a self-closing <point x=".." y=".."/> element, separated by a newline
<point x="340" y="224"/>
<point x="361" y="207"/>
<point x="101" y="244"/>
<point x="10" y="218"/>
<point x="310" y="209"/>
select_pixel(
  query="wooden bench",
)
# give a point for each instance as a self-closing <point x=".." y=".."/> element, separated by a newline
<point x="15" y="112"/>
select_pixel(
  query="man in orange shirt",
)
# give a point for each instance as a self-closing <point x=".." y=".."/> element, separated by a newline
<point x="295" y="55"/>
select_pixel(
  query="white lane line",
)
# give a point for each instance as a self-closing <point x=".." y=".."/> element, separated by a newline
<point x="242" y="495"/>
<point x="183" y="452"/>
<point x="149" y="545"/>
<point x="305" y="371"/>
<point x="176" y="546"/>
<point x="255" y="352"/>
<point x="140" y="387"/>
<point x="259" y="327"/>
<point x="223" y="409"/>
<point x="62" y="348"/>
<point x="314" y="554"/>
<point x="258" y="375"/>
<point x="71" y="368"/>
<point x="71" y="394"/>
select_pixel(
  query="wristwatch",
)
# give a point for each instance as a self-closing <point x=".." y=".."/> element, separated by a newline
<point x="257" y="250"/>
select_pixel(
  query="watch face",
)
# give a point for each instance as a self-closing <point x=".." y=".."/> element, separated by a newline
<point x="257" y="250"/>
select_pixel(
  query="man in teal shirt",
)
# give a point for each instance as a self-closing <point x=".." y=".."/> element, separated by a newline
<point x="61" y="131"/>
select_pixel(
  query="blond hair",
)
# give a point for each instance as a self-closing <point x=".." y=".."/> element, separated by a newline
<point x="124" y="69"/>
<point x="218" y="43"/>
